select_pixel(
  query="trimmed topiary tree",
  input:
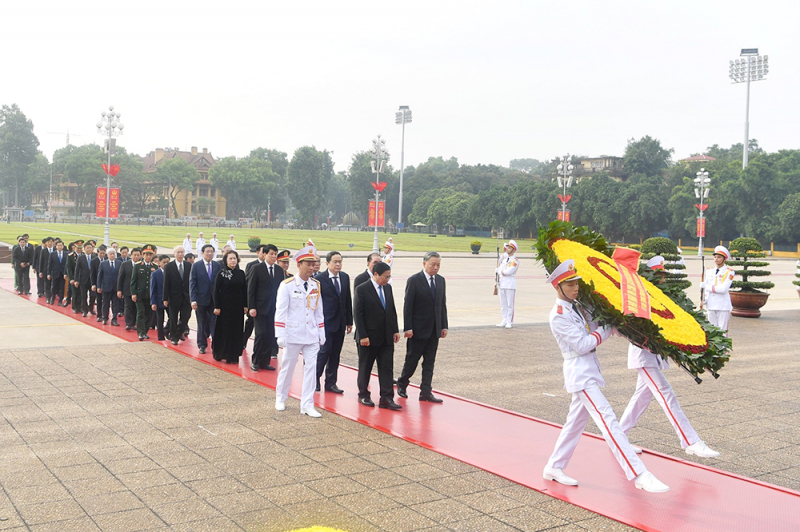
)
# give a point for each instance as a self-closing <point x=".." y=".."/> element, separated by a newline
<point x="669" y="250"/>
<point x="744" y="254"/>
<point x="797" y="282"/>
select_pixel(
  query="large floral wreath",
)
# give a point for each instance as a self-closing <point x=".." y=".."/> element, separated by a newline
<point x="675" y="329"/>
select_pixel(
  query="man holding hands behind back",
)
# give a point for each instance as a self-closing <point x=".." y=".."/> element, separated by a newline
<point x="424" y="322"/>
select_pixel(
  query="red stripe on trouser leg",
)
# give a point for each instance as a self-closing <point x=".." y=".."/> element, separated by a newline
<point x="666" y="406"/>
<point x="610" y="435"/>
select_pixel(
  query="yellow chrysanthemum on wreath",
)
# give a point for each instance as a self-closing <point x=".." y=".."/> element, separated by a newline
<point x="677" y="326"/>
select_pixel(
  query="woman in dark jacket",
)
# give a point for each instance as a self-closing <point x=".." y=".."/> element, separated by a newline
<point x="230" y="302"/>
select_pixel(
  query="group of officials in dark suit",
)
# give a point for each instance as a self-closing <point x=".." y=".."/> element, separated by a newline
<point x="137" y="286"/>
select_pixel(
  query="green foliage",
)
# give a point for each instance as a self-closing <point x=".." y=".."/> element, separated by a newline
<point x="659" y="246"/>
<point x="476" y="243"/>
<point x="646" y="156"/>
<point x="249" y="184"/>
<point x="743" y="251"/>
<point x="174" y="175"/>
<point x="639" y="331"/>
<point x="253" y="241"/>
<point x="18" y="148"/>
<point x="307" y="180"/>
<point x="797" y="282"/>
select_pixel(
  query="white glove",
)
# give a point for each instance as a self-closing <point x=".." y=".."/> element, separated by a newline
<point x="281" y="341"/>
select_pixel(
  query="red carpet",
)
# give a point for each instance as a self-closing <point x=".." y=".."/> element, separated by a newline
<point x="516" y="447"/>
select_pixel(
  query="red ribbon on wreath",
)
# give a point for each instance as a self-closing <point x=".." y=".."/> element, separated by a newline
<point x="379" y="186"/>
<point x="113" y="170"/>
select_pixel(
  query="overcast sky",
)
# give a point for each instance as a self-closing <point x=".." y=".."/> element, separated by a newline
<point x="487" y="82"/>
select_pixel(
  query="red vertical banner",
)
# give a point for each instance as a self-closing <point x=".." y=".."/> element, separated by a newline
<point x="701" y="227"/>
<point x="382" y="213"/>
<point x="113" y="205"/>
<point x="563" y="216"/>
<point x="101" y="202"/>
<point x="372" y="213"/>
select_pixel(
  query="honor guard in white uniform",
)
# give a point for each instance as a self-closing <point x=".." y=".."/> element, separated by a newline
<point x="215" y="242"/>
<point x="200" y="243"/>
<point x="388" y="253"/>
<point x="652" y="383"/>
<point x="578" y="336"/>
<point x="231" y="242"/>
<point x="507" y="283"/>
<point x="716" y="289"/>
<point x="187" y="244"/>
<point x="299" y="327"/>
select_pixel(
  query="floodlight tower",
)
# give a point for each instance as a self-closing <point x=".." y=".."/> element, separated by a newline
<point x="749" y="67"/>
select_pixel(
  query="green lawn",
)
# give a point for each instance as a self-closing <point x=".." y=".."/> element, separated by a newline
<point x="168" y="237"/>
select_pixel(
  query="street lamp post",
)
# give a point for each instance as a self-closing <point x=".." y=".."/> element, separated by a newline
<point x="702" y="184"/>
<point x="379" y="155"/>
<point x="565" y="177"/>
<point x="113" y="128"/>
<point x="749" y="67"/>
<point x="403" y="116"/>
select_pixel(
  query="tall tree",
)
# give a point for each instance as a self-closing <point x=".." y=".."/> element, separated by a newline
<point x="307" y="180"/>
<point x="18" y="147"/>
<point x="646" y="156"/>
<point x="278" y="159"/>
<point x="175" y="175"/>
<point x="359" y="181"/>
<point x="82" y="165"/>
<point x="248" y="184"/>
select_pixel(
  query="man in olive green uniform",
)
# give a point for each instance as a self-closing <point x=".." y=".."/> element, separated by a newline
<point x="76" y="248"/>
<point x="140" y="290"/>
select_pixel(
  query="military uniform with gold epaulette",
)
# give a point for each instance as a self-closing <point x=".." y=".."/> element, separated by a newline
<point x="140" y="289"/>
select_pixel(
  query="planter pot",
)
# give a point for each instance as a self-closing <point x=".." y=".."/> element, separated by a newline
<point x="747" y="304"/>
<point x="475" y="249"/>
<point x="253" y="249"/>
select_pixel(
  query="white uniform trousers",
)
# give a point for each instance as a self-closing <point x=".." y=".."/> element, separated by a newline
<point x="719" y="318"/>
<point x="653" y="383"/>
<point x="288" y="361"/>
<point x="592" y="402"/>
<point x="507" y="304"/>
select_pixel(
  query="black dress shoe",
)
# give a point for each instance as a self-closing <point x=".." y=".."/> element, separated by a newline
<point x="105" y="322"/>
<point x="93" y="313"/>
<point x="114" y="323"/>
<point x="202" y="350"/>
<point x="146" y="337"/>
<point x="161" y="338"/>
<point x="85" y="314"/>
<point x="334" y="389"/>
<point x="430" y="398"/>
<point x="316" y="389"/>
<point x="101" y="319"/>
<point x="128" y="327"/>
<point x="366" y="401"/>
<point x="141" y="338"/>
<point x="254" y="367"/>
<point x="269" y="368"/>
<point x="76" y="311"/>
<point x="401" y="390"/>
<point x="174" y="342"/>
<point x="391" y="405"/>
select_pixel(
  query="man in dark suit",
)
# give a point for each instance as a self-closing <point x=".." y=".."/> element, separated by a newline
<point x="41" y="262"/>
<point x="372" y="260"/>
<point x="337" y="305"/>
<point x="176" y="295"/>
<point x="264" y="277"/>
<point x="22" y="256"/>
<point x="37" y="257"/>
<point x="201" y="290"/>
<point x="107" y="276"/>
<point x="97" y="259"/>
<point x="377" y="332"/>
<point x="124" y="288"/>
<point x="157" y="295"/>
<point x="57" y="272"/>
<point x="424" y="322"/>
<point x="76" y="248"/>
<point x="83" y="277"/>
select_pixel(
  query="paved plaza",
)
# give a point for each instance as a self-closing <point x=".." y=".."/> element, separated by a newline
<point x="99" y="434"/>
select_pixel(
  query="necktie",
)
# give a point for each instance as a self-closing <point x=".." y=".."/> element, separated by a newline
<point x="271" y="273"/>
<point x="380" y="293"/>
<point x="717" y="273"/>
<point x="112" y="266"/>
<point x="59" y="256"/>
<point x="305" y="286"/>
<point x="208" y="267"/>
<point x="433" y="289"/>
<point x="180" y="269"/>
<point x="336" y="284"/>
